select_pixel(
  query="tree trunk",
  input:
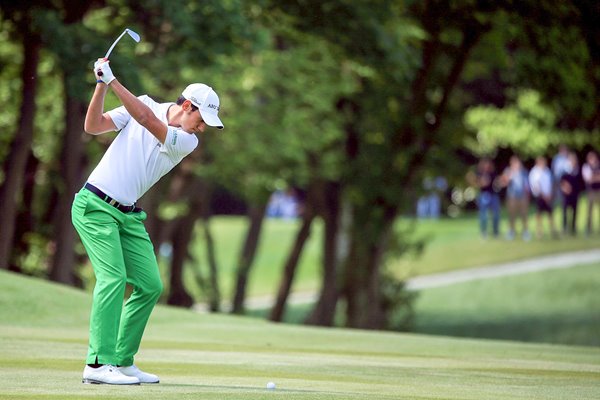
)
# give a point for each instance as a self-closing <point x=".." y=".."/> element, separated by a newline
<point x="291" y="264"/>
<point x="14" y="165"/>
<point x="182" y="234"/>
<point x="25" y="219"/>
<point x="351" y="289"/>
<point x="214" y="294"/>
<point x="324" y="311"/>
<point x="374" y="313"/>
<point x="256" y="215"/>
<point x="63" y="262"/>
<point x="183" y="185"/>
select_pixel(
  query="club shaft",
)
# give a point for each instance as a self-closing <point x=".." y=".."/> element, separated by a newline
<point x="114" y="44"/>
<point x="131" y="33"/>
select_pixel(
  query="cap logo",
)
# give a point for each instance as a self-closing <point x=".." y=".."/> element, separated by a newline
<point x="213" y="106"/>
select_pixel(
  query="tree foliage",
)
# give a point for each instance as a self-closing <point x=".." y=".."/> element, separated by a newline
<point x="528" y="126"/>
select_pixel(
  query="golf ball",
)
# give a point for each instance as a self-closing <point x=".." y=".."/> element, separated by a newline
<point x="271" y="386"/>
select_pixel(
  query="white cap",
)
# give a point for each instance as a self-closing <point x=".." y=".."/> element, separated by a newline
<point x="207" y="101"/>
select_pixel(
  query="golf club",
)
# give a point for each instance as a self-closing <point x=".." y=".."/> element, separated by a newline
<point x="131" y="33"/>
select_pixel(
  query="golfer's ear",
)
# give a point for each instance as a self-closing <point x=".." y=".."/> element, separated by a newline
<point x="187" y="105"/>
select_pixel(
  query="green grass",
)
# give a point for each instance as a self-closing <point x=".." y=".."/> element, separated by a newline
<point x="43" y="335"/>
<point x="557" y="306"/>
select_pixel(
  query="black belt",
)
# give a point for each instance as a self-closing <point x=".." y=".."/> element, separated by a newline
<point x="111" y="201"/>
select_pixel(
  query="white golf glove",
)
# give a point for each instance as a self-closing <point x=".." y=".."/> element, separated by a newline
<point x="102" y="71"/>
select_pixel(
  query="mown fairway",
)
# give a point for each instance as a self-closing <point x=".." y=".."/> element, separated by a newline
<point x="43" y="343"/>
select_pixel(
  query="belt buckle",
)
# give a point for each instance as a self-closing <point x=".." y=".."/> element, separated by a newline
<point x="112" y="202"/>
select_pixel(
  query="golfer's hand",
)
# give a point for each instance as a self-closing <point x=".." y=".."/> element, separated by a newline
<point x="102" y="71"/>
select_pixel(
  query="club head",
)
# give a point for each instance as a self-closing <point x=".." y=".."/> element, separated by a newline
<point x="133" y="35"/>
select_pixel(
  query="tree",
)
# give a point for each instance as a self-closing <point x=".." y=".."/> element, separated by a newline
<point x="74" y="46"/>
<point x="289" y="269"/>
<point x="286" y="131"/>
<point x="415" y="54"/>
<point x="169" y="28"/>
<point x="386" y="155"/>
<point x="15" y="162"/>
<point x="528" y="126"/>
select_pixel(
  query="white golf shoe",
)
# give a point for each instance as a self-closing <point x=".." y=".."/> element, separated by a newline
<point x="107" y="374"/>
<point x="143" y="377"/>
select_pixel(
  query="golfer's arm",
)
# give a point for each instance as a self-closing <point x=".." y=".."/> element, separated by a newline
<point x="139" y="111"/>
<point x="96" y="121"/>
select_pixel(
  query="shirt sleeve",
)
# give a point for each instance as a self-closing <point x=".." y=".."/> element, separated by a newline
<point x="179" y="143"/>
<point x="121" y="116"/>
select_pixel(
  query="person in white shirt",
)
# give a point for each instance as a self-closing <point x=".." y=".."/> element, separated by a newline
<point x="153" y="138"/>
<point x="591" y="176"/>
<point x="542" y="189"/>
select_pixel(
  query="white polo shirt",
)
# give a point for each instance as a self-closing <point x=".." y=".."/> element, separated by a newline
<point x="540" y="181"/>
<point x="136" y="159"/>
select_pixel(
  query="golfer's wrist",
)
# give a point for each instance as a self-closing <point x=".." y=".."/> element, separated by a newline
<point x="101" y="82"/>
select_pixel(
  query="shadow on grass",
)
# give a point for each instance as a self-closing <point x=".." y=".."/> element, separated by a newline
<point x="575" y="329"/>
<point x="581" y="329"/>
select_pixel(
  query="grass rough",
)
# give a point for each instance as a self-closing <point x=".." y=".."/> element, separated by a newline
<point x="555" y="306"/>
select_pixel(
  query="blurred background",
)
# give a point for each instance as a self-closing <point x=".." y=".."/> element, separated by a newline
<point x="352" y="128"/>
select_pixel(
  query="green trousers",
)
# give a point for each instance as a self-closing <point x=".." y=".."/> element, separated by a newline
<point x="121" y="252"/>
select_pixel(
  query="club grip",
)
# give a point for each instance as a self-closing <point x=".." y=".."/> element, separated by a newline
<point x="100" y="73"/>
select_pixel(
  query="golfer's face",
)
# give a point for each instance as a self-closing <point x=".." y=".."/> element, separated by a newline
<point x="192" y="121"/>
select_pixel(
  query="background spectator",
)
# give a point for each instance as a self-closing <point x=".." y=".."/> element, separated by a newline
<point x="430" y="204"/>
<point x="542" y="189"/>
<point x="571" y="185"/>
<point x="515" y="179"/>
<point x="591" y="176"/>
<point x="284" y="204"/>
<point x="488" y="200"/>
<point x="560" y="166"/>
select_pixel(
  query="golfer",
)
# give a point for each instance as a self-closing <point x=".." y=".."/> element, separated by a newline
<point x="153" y="138"/>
